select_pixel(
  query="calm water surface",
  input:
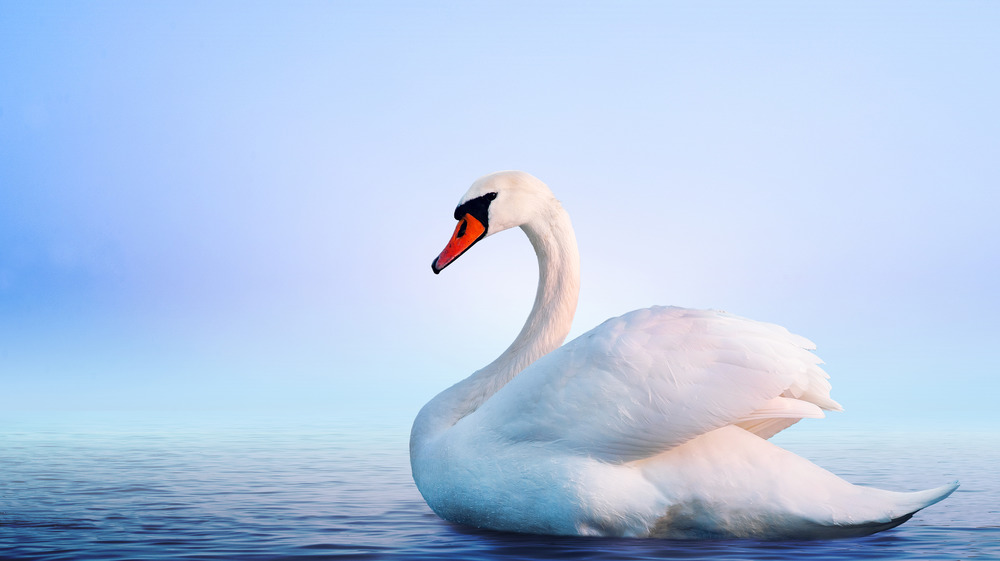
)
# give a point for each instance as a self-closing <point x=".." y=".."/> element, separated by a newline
<point x="132" y="486"/>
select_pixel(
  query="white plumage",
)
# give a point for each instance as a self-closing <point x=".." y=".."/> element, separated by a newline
<point x="651" y="424"/>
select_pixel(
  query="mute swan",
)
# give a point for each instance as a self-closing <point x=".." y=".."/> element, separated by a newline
<point x="652" y="424"/>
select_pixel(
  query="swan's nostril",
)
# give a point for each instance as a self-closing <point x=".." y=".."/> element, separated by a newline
<point x="461" y="228"/>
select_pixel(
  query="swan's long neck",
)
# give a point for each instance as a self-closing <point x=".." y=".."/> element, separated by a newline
<point x="555" y="299"/>
<point x="549" y="322"/>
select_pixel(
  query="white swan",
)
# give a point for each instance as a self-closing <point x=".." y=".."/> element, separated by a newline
<point x="653" y="424"/>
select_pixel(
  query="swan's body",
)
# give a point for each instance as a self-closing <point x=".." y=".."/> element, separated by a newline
<point x="651" y="424"/>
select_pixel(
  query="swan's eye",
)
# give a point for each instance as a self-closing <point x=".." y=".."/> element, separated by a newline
<point x="461" y="228"/>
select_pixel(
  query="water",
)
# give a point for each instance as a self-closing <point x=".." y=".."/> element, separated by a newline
<point x="134" y="486"/>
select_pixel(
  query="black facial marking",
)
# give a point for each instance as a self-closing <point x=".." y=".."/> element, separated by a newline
<point x="479" y="208"/>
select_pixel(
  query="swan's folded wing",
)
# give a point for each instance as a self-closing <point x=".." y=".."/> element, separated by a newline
<point x="652" y="379"/>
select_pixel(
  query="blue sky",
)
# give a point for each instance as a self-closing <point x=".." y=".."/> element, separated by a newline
<point x="234" y="205"/>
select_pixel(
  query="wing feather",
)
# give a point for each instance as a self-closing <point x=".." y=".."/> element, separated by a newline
<point x="655" y="378"/>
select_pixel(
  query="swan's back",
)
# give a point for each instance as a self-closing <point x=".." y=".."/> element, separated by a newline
<point x="650" y="380"/>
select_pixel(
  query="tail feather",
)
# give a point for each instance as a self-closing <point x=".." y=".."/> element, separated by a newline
<point x="910" y="503"/>
<point x="906" y="505"/>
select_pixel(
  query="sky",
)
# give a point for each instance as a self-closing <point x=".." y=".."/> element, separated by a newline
<point x="234" y="205"/>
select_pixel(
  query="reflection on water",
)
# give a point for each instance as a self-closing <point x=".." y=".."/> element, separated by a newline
<point x="121" y="486"/>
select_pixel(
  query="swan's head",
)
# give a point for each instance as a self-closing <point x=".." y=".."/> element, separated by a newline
<point x="494" y="203"/>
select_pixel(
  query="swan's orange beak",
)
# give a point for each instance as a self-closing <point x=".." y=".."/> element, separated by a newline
<point x="469" y="231"/>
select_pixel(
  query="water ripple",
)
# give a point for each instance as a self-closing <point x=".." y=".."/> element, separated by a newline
<point x="117" y="488"/>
